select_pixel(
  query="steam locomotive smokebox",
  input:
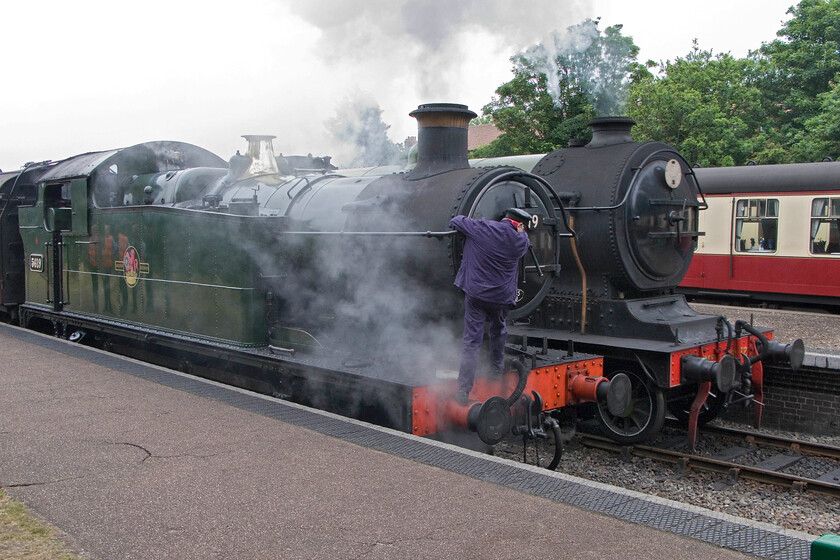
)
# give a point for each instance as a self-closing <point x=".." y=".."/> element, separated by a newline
<point x="635" y="207"/>
<point x="638" y="208"/>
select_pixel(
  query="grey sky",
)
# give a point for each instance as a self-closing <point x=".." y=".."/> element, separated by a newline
<point x="95" y="74"/>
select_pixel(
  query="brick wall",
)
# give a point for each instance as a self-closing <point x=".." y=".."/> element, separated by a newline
<point x="806" y="401"/>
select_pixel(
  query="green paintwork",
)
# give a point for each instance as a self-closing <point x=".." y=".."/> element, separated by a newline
<point x="79" y="201"/>
<point x="827" y="547"/>
<point x="195" y="273"/>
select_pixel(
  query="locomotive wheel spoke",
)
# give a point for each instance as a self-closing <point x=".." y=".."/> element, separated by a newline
<point x="644" y="421"/>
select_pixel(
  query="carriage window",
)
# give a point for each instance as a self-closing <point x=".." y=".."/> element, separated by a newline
<point x="756" y="225"/>
<point x="825" y="226"/>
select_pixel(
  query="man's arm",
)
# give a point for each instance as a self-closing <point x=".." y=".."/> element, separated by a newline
<point x="463" y="224"/>
<point x="524" y="241"/>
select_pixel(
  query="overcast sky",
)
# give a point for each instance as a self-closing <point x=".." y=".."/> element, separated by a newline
<point x="93" y="75"/>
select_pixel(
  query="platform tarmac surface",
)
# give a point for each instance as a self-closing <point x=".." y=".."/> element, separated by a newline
<point x="132" y="461"/>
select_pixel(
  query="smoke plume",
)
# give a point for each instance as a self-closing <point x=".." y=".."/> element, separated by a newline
<point x="582" y="58"/>
<point x="410" y="52"/>
<point x="361" y="134"/>
<point x="427" y="41"/>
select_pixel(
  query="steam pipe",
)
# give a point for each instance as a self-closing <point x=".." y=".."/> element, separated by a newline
<point x="558" y="443"/>
<point x="573" y="197"/>
<point x="765" y="344"/>
<point x="583" y="285"/>
<point x="520" y="386"/>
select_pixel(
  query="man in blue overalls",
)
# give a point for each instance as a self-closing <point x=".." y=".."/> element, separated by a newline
<point x="488" y="276"/>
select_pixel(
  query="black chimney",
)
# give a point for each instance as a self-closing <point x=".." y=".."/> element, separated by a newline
<point x="441" y="138"/>
<point x="607" y="131"/>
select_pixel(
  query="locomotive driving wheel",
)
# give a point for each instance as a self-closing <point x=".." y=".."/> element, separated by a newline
<point x="648" y="414"/>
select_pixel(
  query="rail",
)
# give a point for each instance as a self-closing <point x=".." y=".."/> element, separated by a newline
<point x="734" y="470"/>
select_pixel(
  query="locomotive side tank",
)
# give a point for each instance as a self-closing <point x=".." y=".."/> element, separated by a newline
<point x="331" y="291"/>
<point x="634" y="209"/>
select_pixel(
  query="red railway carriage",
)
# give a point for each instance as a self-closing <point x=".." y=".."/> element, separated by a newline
<point x="772" y="233"/>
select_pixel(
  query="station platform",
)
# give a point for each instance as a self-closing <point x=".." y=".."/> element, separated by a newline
<point x="132" y="461"/>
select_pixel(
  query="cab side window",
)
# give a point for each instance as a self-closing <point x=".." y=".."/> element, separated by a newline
<point x="825" y="226"/>
<point x="756" y="225"/>
<point x="57" y="195"/>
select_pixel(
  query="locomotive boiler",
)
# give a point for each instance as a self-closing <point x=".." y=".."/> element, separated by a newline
<point x="331" y="291"/>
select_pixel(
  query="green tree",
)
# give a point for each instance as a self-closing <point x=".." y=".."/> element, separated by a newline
<point x="820" y="136"/>
<point x="483" y="119"/>
<point x="778" y="105"/>
<point x="807" y="57"/>
<point x="528" y="118"/>
<point x="557" y="88"/>
<point x="707" y="106"/>
<point x="798" y="68"/>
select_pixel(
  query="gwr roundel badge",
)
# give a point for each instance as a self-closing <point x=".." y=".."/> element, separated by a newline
<point x="131" y="266"/>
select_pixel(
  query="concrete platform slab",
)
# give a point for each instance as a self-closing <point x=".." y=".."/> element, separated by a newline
<point x="134" y="461"/>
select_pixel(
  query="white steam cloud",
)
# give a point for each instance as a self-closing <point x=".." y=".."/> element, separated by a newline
<point x="428" y="41"/>
<point x="363" y="301"/>
<point x="582" y="58"/>
<point x="409" y="52"/>
<point x="361" y="135"/>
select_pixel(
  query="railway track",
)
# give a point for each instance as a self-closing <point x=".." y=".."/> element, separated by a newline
<point x="794" y="464"/>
